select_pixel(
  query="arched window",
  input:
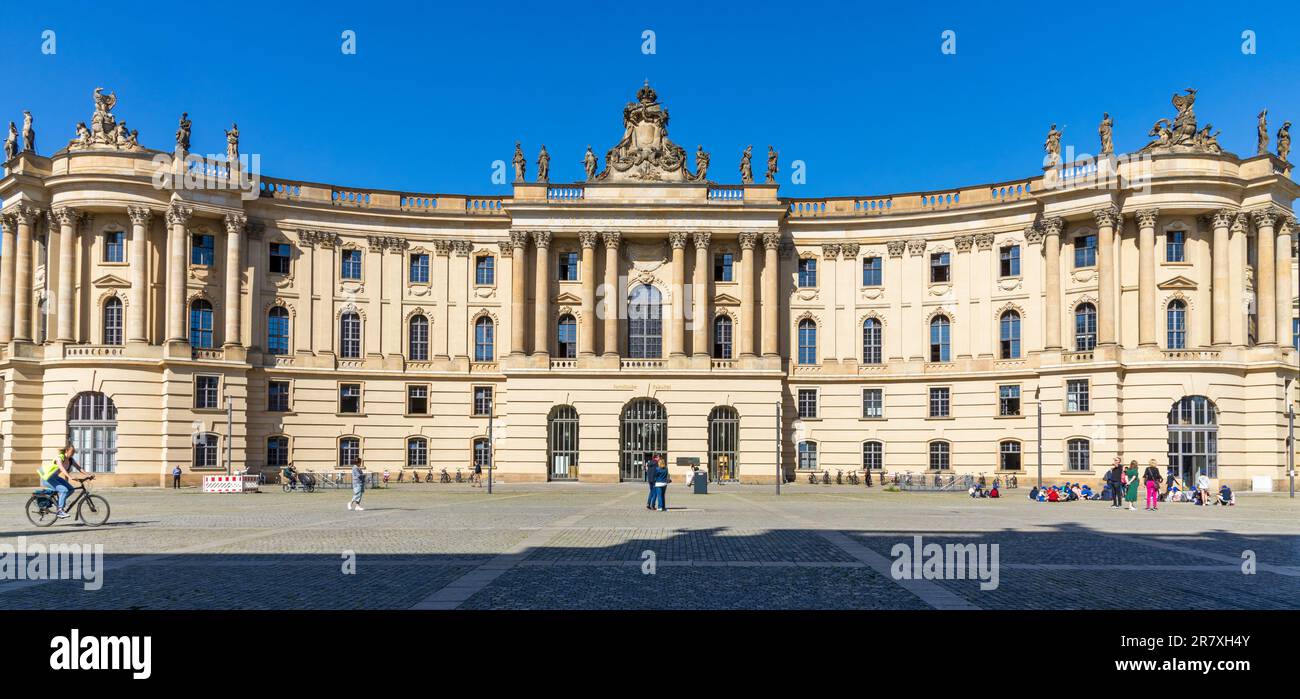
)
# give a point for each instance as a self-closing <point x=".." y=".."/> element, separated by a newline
<point x="277" y="330"/>
<point x="1078" y="454"/>
<point x="349" y="452"/>
<point x="724" y="443"/>
<point x="873" y="456"/>
<point x="808" y="456"/>
<point x="418" y="338"/>
<point x="645" y="323"/>
<point x="940" y="456"/>
<point x="1009" y="332"/>
<point x="562" y="443"/>
<point x="643" y="430"/>
<point x="1176" y="325"/>
<point x="201" y="324"/>
<point x="807" y="341"/>
<point x="482" y="453"/>
<point x="872" y="339"/>
<point x="92" y="429"/>
<point x="940" y="339"/>
<point x="417" y="452"/>
<point x="1009" y="455"/>
<point x="1194" y="439"/>
<point x="484" y="340"/>
<point x="350" y="335"/>
<point x="277" y="451"/>
<point x="206" y="448"/>
<point x="1085" y="327"/>
<point x="566" y="337"/>
<point x="722" y="337"/>
<point x="113" y="321"/>
<point x="485" y="273"/>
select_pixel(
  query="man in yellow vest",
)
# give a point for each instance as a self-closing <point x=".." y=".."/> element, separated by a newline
<point x="55" y="475"/>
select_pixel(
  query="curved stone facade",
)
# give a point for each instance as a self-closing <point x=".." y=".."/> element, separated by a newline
<point x="340" y="321"/>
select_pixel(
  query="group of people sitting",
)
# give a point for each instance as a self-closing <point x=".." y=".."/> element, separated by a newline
<point x="1062" y="493"/>
<point x="1119" y="486"/>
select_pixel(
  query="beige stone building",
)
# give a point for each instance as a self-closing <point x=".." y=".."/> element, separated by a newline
<point x="1146" y="304"/>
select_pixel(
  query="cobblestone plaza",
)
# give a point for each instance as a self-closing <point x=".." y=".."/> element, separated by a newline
<point x="583" y="546"/>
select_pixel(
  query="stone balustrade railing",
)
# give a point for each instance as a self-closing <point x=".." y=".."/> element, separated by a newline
<point x="563" y="193"/>
<point x="289" y="190"/>
<point x="982" y="195"/>
<point x="726" y="192"/>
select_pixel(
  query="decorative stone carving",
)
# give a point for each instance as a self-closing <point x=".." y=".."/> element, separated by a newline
<point x="1053" y="146"/>
<point x="255" y="228"/>
<point x="518" y="239"/>
<point x="747" y="240"/>
<point x="520" y="162"/>
<point x="179" y="214"/>
<point x="1261" y="136"/>
<point x="770" y="177"/>
<point x="1104" y="130"/>
<point x="11" y="143"/>
<point x="701" y="165"/>
<point x="232" y="144"/>
<point x="463" y="248"/>
<point x="29" y="134"/>
<point x="849" y="251"/>
<point x="505" y="248"/>
<point x="1240" y="223"/>
<point x="964" y="242"/>
<point x="590" y="164"/>
<point x="139" y="215"/>
<point x="645" y="153"/>
<point x="542" y="239"/>
<point x="786" y="251"/>
<point x="588" y="239"/>
<point x="611" y="239"/>
<point x="1147" y="218"/>
<point x="746" y="165"/>
<point x="1181" y="135"/>
<point x="1053" y="225"/>
<point x="1106" y="216"/>
<point x="543" y="165"/>
<point x="442" y="248"/>
<point x="916" y="246"/>
<point x="1264" y="218"/>
<point x="321" y="239"/>
<point x="1223" y="218"/>
<point x="895" y="248"/>
<point x="1284" y="141"/>
<point x="392" y="243"/>
<point x="677" y="240"/>
<point x="984" y="241"/>
<point x="67" y="216"/>
<point x="183" y="135"/>
<point x="830" y="251"/>
<point x="235" y="223"/>
<point x="701" y="239"/>
<point x="105" y="131"/>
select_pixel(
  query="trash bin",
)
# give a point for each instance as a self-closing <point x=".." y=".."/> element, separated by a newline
<point x="701" y="483"/>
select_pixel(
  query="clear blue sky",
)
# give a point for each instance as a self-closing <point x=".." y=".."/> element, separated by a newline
<point x="859" y="91"/>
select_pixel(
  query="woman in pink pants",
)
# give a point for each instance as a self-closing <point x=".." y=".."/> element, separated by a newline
<point x="1152" y="478"/>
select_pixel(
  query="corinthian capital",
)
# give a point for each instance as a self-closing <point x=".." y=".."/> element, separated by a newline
<point x="677" y="239"/>
<point x="1106" y="217"/>
<point x="1053" y="225"/>
<point x="830" y="251"/>
<point x="1147" y="218"/>
<point x="849" y="251"/>
<point x="1223" y="218"/>
<point x="1264" y="218"/>
<point x="25" y="214"/>
<point x="611" y="239"/>
<point x="179" y="214"/>
<point x="235" y="223"/>
<point x="895" y="247"/>
<point x="701" y="239"/>
<point x="518" y="239"/>
<point x="542" y="239"/>
<point x="963" y="242"/>
<point x="916" y="246"/>
<point x="772" y="240"/>
<point x="1240" y="223"/>
<point x="1034" y="234"/>
<point x="588" y="239"/>
<point x="139" y="215"/>
<point x="65" y="215"/>
<point x="747" y="240"/>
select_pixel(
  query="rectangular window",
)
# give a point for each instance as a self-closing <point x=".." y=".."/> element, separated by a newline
<point x="873" y="456"/>
<point x="1076" y="396"/>
<point x="350" y="398"/>
<point x="115" y="246"/>
<point x="482" y="401"/>
<point x="1175" y="246"/>
<point x="722" y="267"/>
<point x="1010" y="261"/>
<point x="280" y="256"/>
<point x="351" y="265"/>
<point x="807" y="402"/>
<point x="940" y="268"/>
<point x="872" y="274"/>
<point x="202" y="251"/>
<point x="940" y="456"/>
<point x="417" y="400"/>
<point x="940" y="399"/>
<point x="419" y="268"/>
<point x="485" y="273"/>
<point x="206" y="392"/>
<point x="277" y="396"/>
<point x="205" y="451"/>
<point x="807" y="273"/>
<point x="1085" y="251"/>
<point x="567" y="266"/>
<point x="873" y="402"/>
<point x="1009" y="400"/>
<point x="1009" y="456"/>
<point x="1295" y="333"/>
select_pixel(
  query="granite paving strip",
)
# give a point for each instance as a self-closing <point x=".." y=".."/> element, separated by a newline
<point x="934" y="595"/>
<point x="460" y="590"/>
<point x="1289" y="571"/>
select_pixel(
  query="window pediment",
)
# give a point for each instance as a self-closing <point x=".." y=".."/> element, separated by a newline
<point x="1179" y="283"/>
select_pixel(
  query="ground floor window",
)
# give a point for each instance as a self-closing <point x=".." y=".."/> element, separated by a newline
<point x="92" y="429"/>
<point x="1079" y="452"/>
<point x="417" y="452"/>
<point x="1009" y="455"/>
<point x="643" y="433"/>
<point x="277" y="451"/>
<point x="205" y="450"/>
<point x="873" y="456"/>
<point x="482" y="453"/>
<point x="940" y="456"/>
<point x="349" y="452"/>
<point x="807" y="455"/>
<point x="562" y="443"/>
<point x="724" y="443"/>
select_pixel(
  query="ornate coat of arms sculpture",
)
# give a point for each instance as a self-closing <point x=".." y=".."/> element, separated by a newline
<point x="1181" y="134"/>
<point x="645" y="154"/>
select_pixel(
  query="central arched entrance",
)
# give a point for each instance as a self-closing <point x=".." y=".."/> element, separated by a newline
<point x="724" y="443"/>
<point x="643" y="433"/>
<point x="562" y="443"/>
<point x="92" y="429"/>
<point x="1193" y="439"/>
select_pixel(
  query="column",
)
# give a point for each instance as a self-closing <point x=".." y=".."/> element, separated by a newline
<point x="746" y="329"/>
<point x="610" y="323"/>
<point x="67" y="219"/>
<point x="677" y="343"/>
<point x="440" y="286"/>
<point x="177" y="216"/>
<point x="139" y="311"/>
<point x="980" y="290"/>
<point x="771" y="302"/>
<point x="10" y="222"/>
<point x="1220" y="327"/>
<point x="1265" y="277"/>
<point x="23" y="274"/>
<point x="1106" y="219"/>
<point x="1052" y="262"/>
<point x="542" y="295"/>
<point x="700" y="312"/>
<point x="894" y="285"/>
<point x="234" y="247"/>
<point x="1285" y="286"/>
<point x="1146" y="220"/>
<point x="587" y="323"/>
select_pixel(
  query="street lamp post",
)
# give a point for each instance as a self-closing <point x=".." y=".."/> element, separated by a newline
<point x="230" y="430"/>
<point x="1290" y="446"/>
<point x="1039" y="400"/>
<point x="491" y="448"/>
<point x="778" y="448"/>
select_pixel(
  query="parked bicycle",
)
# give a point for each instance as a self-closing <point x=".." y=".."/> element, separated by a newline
<point x="853" y="477"/>
<point x="459" y="478"/>
<point x="444" y="477"/>
<point x="826" y="477"/>
<point x="92" y="510"/>
<point x="812" y="479"/>
<point x="839" y="476"/>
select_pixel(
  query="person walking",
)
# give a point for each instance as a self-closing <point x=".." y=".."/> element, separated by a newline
<point x="661" y="486"/>
<point x="1152" y="477"/>
<point x="1131" y="484"/>
<point x="476" y="480"/>
<point x="176" y="477"/>
<point x="1114" y="479"/>
<point x="651" y="470"/>
<point x="358" y="486"/>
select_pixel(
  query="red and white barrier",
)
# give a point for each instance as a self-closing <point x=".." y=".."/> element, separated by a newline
<point x="230" y="484"/>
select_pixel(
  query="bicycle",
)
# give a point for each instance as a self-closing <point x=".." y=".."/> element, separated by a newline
<point x="92" y="510"/>
<point x="443" y="477"/>
<point x="459" y="477"/>
<point x="839" y="476"/>
<point x="812" y="479"/>
<point x="826" y="477"/>
<point x="853" y="477"/>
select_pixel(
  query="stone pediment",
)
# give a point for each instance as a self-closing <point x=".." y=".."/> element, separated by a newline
<point x="112" y="281"/>
<point x="726" y="300"/>
<point x="1178" y="283"/>
<point x="568" y="298"/>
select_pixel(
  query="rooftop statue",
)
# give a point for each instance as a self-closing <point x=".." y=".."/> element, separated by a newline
<point x="11" y="143"/>
<point x="104" y="131"/>
<point x="747" y="165"/>
<point x="543" y="165"/>
<point x="183" y="134"/>
<point x="1182" y="135"/>
<point x="29" y="134"/>
<point x="590" y="163"/>
<point x="701" y="165"/>
<point x="645" y="154"/>
<point x="520" y="162"/>
<point x="1284" y="141"/>
<point x="232" y="144"/>
<point x="1053" y="146"/>
<point x="1262" y="138"/>
<point x="771" y="165"/>
<point x="1105" y="130"/>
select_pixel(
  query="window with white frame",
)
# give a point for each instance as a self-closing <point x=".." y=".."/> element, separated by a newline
<point x="873" y="403"/>
<point x="807" y="402"/>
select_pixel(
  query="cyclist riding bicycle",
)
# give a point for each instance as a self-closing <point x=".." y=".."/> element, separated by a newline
<point x="291" y="474"/>
<point x="56" y="474"/>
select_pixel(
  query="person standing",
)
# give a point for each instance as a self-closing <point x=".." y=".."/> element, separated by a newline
<point x="661" y="486"/>
<point x="176" y="477"/>
<point x="358" y="486"/>
<point x="651" y="470"/>
<point x="1131" y="483"/>
<point x="477" y="479"/>
<point x="1152" y="477"/>
<point x="1203" y="488"/>
<point x="1114" y="480"/>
